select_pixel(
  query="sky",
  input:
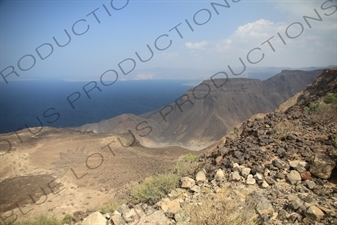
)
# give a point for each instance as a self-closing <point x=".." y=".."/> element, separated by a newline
<point x="196" y="37"/>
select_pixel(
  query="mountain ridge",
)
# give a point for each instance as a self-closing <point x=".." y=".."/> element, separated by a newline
<point x="219" y="103"/>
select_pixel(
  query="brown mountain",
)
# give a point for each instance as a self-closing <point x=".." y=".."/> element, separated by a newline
<point x="207" y="112"/>
<point x="298" y="140"/>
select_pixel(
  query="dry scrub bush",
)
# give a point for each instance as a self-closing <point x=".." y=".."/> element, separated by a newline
<point x="284" y="129"/>
<point x="186" y="165"/>
<point x="324" y="115"/>
<point x="154" y="188"/>
<point x="40" y="220"/>
<point x="109" y="207"/>
<point x="221" y="210"/>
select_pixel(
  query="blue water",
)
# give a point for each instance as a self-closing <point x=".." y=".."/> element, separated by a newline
<point x="24" y="103"/>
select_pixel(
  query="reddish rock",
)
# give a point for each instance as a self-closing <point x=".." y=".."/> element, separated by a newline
<point x="306" y="175"/>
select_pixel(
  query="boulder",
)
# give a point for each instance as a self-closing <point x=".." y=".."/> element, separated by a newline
<point x="296" y="203"/>
<point x="155" y="218"/>
<point x="322" y="167"/>
<point x="315" y="212"/>
<point x="169" y="206"/>
<point x="264" y="184"/>
<point x="95" y="218"/>
<point x="293" y="177"/>
<point x="264" y="207"/>
<point x="236" y="176"/>
<point x="250" y="180"/>
<point x="309" y="184"/>
<point x="200" y="176"/>
<point x="187" y="182"/>
<point x="117" y="219"/>
<point x="219" y="175"/>
<point x="195" y="188"/>
<point x="245" y="172"/>
<point x="181" y="217"/>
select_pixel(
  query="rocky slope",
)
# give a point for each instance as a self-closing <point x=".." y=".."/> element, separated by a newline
<point x="276" y="168"/>
<point x="207" y="112"/>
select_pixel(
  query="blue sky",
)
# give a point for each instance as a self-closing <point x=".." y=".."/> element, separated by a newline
<point x="211" y="47"/>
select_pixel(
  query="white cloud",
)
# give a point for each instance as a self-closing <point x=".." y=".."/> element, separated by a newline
<point x="196" y="46"/>
<point x="297" y="9"/>
<point x="257" y="29"/>
<point x="313" y="46"/>
<point x="248" y="35"/>
<point x="223" y="45"/>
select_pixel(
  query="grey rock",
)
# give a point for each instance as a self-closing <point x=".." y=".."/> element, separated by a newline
<point x="264" y="184"/>
<point x="155" y="218"/>
<point x="301" y="168"/>
<point x="95" y="218"/>
<point x="279" y="163"/>
<point x="315" y="212"/>
<point x="245" y="172"/>
<point x="181" y="217"/>
<point x="117" y="219"/>
<point x="195" y="188"/>
<point x="250" y="180"/>
<point x="293" y="177"/>
<point x="264" y="207"/>
<point x="296" y="203"/>
<point x="201" y="176"/>
<point x="309" y="184"/>
<point x="322" y="167"/>
<point x="295" y="217"/>
<point x="236" y="176"/>
<point x="219" y="175"/>
<point x="269" y="180"/>
<point x="258" y="177"/>
<point x="187" y="182"/>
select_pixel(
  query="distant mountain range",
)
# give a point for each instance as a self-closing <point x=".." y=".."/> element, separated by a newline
<point x="261" y="73"/>
<point x="206" y="113"/>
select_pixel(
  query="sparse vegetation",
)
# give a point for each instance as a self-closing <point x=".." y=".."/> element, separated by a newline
<point x="40" y="220"/>
<point x="220" y="210"/>
<point x="233" y="132"/>
<point x="315" y="106"/>
<point x="284" y="129"/>
<point x="110" y="207"/>
<point x="154" y="188"/>
<point x="186" y="165"/>
<point x="324" y="113"/>
<point x="331" y="98"/>
<point x="207" y="190"/>
<point x="67" y="219"/>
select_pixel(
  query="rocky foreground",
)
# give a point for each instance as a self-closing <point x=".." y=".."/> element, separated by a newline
<point x="275" y="168"/>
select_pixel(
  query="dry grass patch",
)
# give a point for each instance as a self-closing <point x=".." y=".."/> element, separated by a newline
<point x="110" y="207"/>
<point x="325" y="114"/>
<point x="187" y="165"/>
<point x="284" y="128"/>
<point x="40" y="220"/>
<point x="220" y="209"/>
<point x="154" y="188"/>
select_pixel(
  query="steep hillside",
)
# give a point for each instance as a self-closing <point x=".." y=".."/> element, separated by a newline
<point x="291" y="156"/>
